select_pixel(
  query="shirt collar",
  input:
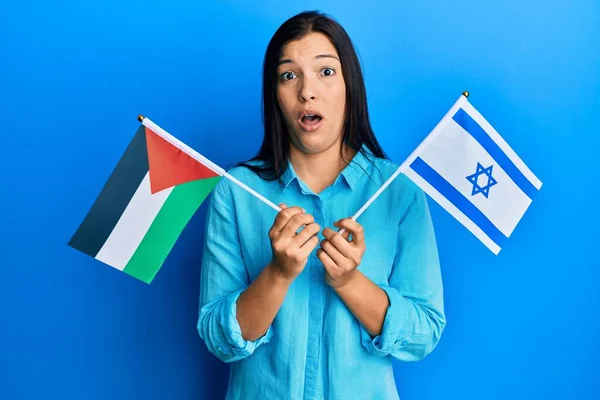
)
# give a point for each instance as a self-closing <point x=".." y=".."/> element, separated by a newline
<point x="351" y="173"/>
<point x="288" y="175"/>
<point x="357" y="166"/>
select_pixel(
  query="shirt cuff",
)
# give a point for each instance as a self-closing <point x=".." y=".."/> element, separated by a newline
<point x="236" y="345"/>
<point x="389" y="340"/>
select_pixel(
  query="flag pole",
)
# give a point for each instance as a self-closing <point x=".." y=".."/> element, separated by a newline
<point x="404" y="165"/>
<point x="171" y="139"/>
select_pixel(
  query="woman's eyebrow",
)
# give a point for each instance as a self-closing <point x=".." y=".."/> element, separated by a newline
<point x="284" y="61"/>
<point x="327" y="56"/>
<point x="289" y="61"/>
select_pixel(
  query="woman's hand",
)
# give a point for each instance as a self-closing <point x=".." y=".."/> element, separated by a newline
<point x="340" y="257"/>
<point x="291" y="250"/>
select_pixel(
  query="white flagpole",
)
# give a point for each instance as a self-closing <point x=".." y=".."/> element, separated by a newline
<point x="461" y="100"/>
<point x="200" y="158"/>
<point x="257" y="195"/>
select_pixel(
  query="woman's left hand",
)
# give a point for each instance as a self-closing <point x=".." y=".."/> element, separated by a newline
<point x="340" y="257"/>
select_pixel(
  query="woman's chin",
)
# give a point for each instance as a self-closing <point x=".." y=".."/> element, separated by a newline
<point x="313" y="145"/>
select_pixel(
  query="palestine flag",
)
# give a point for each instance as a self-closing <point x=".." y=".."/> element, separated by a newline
<point x="155" y="189"/>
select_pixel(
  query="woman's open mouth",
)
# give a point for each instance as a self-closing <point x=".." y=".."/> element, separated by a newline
<point x="310" y="121"/>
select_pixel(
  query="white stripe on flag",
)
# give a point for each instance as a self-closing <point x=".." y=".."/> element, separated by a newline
<point x="510" y="153"/>
<point x="454" y="155"/>
<point x="133" y="225"/>
<point x="451" y="208"/>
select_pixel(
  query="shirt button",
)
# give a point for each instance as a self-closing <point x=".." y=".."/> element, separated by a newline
<point x="404" y="343"/>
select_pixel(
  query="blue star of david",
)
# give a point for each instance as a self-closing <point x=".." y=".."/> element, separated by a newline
<point x="485" y="190"/>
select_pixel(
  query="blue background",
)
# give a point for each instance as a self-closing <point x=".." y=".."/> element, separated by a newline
<point x="75" y="75"/>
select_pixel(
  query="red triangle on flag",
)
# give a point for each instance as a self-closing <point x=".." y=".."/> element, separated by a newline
<point x="170" y="166"/>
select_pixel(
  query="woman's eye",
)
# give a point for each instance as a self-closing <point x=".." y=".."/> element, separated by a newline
<point x="328" y="71"/>
<point x="286" y="76"/>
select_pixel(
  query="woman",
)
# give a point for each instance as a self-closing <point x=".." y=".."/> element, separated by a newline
<point x="301" y="311"/>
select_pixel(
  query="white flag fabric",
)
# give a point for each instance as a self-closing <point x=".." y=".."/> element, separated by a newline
<point x="470" y="170"/>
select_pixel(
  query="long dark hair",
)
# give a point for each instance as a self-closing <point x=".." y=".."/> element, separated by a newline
<point x="274" y="151"/>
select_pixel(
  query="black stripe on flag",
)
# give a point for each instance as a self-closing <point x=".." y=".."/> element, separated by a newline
<point x="114" y="197"/>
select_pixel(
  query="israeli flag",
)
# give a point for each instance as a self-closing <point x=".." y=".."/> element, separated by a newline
<point x="467" y="168"/>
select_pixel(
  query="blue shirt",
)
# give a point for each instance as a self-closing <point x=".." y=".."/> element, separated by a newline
<point x="315" y="348"/>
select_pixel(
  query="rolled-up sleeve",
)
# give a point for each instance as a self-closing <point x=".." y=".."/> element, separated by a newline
<point x="223" y="278"/>
<point x="415" y="317"/>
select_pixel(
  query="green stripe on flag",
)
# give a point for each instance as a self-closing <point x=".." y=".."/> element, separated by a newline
<point x="170" y="221"/>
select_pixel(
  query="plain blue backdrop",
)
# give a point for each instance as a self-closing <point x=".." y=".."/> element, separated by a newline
<point x="75" y="75"/>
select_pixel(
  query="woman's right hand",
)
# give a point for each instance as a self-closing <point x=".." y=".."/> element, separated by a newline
<point x="291" y="250"/>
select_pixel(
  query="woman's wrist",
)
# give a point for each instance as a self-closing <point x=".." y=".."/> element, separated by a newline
<point x="276" y="276"/>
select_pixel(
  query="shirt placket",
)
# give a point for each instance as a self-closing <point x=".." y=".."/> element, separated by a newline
<point x="313" y="387"/>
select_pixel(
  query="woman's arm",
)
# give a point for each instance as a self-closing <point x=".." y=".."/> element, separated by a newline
<point x="258" y="305"/>
<point x="236" y="314"/>
<point x="404" y="318"/>
<point x="260" y="302"/>
<point x="367" y="301"/>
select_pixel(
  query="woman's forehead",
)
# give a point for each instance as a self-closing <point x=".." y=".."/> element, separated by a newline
<point x="309" y="47"/>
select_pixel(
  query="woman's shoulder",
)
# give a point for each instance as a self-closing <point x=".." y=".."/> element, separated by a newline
<point x="247" y="172"/>
<point x="402" y="188"/>
<point x="242" y="173"/>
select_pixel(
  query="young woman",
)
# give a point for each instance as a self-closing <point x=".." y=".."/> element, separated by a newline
<point x="300" y="311"/>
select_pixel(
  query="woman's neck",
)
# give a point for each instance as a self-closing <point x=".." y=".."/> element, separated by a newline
<point x="320" y="170"/>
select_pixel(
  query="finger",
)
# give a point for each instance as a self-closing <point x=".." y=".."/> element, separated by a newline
<point x="309" y="246"/>
<point x="338" y="241"/>
<point x="308" y="232"/>
<point x="333" y="252"/>
<point x="295" y="222"/>
<point x="328" y="262"/>
<point x="345" y="234"/>
<point x="358" y="237"/>
<point x="284" y="216"/>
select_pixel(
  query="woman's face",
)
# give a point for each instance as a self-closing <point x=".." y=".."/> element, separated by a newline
<point x="312" y="93"/>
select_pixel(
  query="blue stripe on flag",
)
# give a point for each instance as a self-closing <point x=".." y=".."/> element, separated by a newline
<point x="474" y="129"/>
<point x="458" y="200"/>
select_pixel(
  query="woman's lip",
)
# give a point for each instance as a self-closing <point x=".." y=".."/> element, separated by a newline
<point x="309" y="112"/>
<point x="310" y="127"/>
